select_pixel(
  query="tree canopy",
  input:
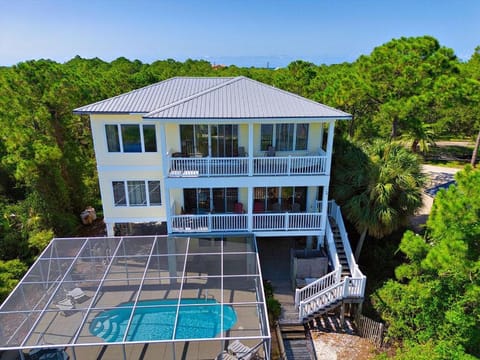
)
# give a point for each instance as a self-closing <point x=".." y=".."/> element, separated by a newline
<point x="434" y="304"/>
<point x="411" y="88"/>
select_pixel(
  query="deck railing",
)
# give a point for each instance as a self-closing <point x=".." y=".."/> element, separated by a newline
<point x="335" y="212"/>
<point x="317" y="296"/>
<point x="239" y="222"/>
<point x="317" y="286"/>
<point x="345" y="289"/>
<point x="239" y="166"/>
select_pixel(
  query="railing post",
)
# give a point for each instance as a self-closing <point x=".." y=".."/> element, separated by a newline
<point x="287" y="220"/>
<point x="289" y="165"/>
<point x="210" y="221"/>
<point x="345" y="287"/>
<point x="297" y="296"/>
<point x="338" y="275"/>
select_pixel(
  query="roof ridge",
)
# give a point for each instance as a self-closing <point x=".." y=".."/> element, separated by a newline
<point x="201" y="93"/>
<point x="293" y="94"/>
<point x="77" y="110"/>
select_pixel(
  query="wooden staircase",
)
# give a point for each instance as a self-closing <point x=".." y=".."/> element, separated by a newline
<point x="345" y="284"/>
<point x="339" y="246"/>
<point x="295" y="342"/>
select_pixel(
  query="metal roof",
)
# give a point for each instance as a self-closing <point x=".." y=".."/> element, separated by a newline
<point x="213" y="98"/>
<point x="153" y="97"/>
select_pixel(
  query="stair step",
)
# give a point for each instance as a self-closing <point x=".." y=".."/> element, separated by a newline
<point x="293" y="336"/>
<point x="292" y="328"/>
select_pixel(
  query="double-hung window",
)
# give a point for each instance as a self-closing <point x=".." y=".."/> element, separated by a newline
<point x="130" y="138"/>
<point x="284" y="137"/>
<point x="136" y="193"/>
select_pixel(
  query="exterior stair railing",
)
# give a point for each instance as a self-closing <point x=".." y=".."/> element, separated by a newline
<point x="332" y="289"/>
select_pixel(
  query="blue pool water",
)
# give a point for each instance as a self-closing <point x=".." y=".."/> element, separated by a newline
<point x="155" y="320"/>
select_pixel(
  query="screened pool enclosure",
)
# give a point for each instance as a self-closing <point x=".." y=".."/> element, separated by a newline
<point x="150" y="297"/>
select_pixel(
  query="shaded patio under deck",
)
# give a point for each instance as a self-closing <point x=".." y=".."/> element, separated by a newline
<point x="125" y="274"/>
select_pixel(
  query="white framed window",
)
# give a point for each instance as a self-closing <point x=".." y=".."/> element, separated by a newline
<point x="136" y="193"/>
<point x="284" y="137"/>
<point x="131" y="138"/>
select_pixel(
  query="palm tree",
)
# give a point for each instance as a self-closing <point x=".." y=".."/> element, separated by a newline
<point x="385" y="189"/>
<point x="420" y="135"/>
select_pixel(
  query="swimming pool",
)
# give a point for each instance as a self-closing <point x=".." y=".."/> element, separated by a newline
<point x="155" y="320"/>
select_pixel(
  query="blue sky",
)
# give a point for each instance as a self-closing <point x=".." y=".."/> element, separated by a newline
<point x="241" y="32"/>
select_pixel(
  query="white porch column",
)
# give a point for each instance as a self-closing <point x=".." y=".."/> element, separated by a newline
<point x="321" y="135"/>
<point x="250" y="149"/>
<point x="165" y="166"/>
<point x="250" y="209"/>
<point x="172" y="262"/>
<point x="110" y="231"/>
<point x="331" y="130"/>
<point x="325" y="207"/>
<point x="163" y="149"/>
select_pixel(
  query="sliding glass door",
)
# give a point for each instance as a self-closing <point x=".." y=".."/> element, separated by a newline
<point x="205" y="200"/>
<point x="223" y="140"/>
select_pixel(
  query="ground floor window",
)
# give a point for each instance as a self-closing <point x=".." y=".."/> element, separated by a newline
<point x="204" y="200"/>
<point x="278" y="199"/>
<point x="136" y="193"/>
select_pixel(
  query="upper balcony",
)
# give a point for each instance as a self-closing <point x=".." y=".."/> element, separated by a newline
<point x="198" y="166"/>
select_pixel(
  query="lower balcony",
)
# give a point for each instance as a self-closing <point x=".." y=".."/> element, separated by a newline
<point x="211" y="222"/>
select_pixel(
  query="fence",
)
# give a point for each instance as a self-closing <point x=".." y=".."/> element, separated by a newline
<point x="370" y="329"/>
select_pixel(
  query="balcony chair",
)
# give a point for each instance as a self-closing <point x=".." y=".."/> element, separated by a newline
<point x="270" y="151"/>
<point x="296" y="207"/>
<point x="258" y="207"/>
<point x="277" y="207"/>
<point x="238" y="208"/>
<point x="241" y="151"/>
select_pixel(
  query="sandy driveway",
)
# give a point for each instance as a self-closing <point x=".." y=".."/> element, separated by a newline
<point x="437" y="175"/>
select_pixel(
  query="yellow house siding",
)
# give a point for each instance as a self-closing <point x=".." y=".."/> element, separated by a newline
<point x="104" y="157"/>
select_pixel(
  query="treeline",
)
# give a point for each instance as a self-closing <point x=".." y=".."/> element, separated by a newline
<point x="410" y="88"/>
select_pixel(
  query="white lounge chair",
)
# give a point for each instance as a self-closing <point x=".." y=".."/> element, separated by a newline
<point x="224" y="355"/>
<point x="241" y="351"/>
<point x="65" y="306"/>
<point x="77" y="295"/>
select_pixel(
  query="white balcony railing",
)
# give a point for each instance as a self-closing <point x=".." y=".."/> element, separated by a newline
<point x="239" y="222"/>
<point x="240" y="166"/>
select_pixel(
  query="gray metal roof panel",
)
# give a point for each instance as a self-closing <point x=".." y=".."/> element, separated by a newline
<point x="245" y="98"/>
<point x="152" y="97"/>
<point x="213" y="98"/>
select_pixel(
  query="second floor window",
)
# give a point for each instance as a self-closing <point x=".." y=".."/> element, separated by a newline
<point x="284" y="137"/>
<point x="131" y="138"/>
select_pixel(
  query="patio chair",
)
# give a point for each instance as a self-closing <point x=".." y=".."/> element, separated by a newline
<point x="224" y="355"/>
<point x="241" y="151"/>
<point x="77" y="295"/>
<point x="270" y="151"/>
<point x="277" y="207"/>
<point x="238" y="208"/>
<point x="65" y="306"/>
<point x="258" y="207"/>
<point x="241" y="351"/>
<point x="296" y="207"/>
